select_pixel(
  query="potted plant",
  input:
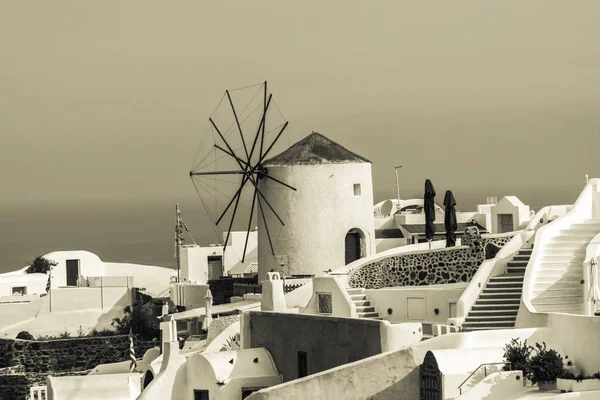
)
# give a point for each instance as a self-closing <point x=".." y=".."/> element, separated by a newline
<point x="568" y="382"/>
<point x="545" y="367"/>
<point x="517" y="356"/>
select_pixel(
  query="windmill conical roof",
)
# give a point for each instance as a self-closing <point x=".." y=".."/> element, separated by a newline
<point x="316" y="149"/>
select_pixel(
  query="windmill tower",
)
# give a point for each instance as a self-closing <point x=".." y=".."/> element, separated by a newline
<point x="329" y="219"/>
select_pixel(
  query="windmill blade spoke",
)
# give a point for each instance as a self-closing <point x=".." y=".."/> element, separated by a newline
<point x="263" y="156"/>
<point x="239" y="160"/>
<point x="192" y="173"/>
<point x="225" y="141"/>
<point x="235" y="196"/>
<point x="267" y="201"/>
<point x="264" y="175"/>
<point x="249" y="224"/>
<point x="262" y="138"/>
<point x="261" y="127"/>
<point x="262" y="212"/>
<point x="238" y="124"/>
<point x="237" y="202"/>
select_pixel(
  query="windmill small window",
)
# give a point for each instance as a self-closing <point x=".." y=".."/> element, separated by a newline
<point x="357" y="190"/>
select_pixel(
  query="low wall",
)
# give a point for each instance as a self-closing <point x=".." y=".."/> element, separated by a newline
<point x="72" y="354"/>
<point x="416" y="303"/>
<point x="428" y="267"/>
<point x="393" y="375"/>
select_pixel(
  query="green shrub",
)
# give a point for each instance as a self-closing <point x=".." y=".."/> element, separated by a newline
<point x="517" y="356"/>
<point x="546" y="365"/>
<point x="24" y="335"/>
<point x="40" y="265"/>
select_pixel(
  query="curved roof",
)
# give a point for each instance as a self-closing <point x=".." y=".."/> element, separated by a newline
<point x="313" y="150"/>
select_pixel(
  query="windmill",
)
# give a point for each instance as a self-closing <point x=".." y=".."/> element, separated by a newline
<point x="228" y="168"/>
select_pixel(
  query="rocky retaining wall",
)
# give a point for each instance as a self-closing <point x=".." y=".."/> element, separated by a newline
<point x="438" y="266"/>
<point x="74" y="354"/>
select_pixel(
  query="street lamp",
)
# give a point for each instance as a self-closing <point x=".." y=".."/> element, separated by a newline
<point x="396" y="167"/>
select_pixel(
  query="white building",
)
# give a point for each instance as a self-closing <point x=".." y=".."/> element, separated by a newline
<point x="328" y="220"/>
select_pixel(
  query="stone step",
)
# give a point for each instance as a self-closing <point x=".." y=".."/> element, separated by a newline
<point x="565" y="254"/>
<point x="355" y="291"/>
<point x="576" y="233"/>
<point x="569" y="239"/>
<point x="491" y="318"/>
<point x="559" y="278"/>
<point x="563" y="258"/>
<point x="507" y="278"/>
<point x="495" y="307"/>
<point x="498" y="296"/>
<point x="517" y="263"/>
<point x="525" y="251"/>
<point x="356" y="297"/>
<point x="487" y="290"/>
<point x="361" y="303"/>
<point x="483" y="313"/>
<point x="566" y="246"/>
<point x="497" y="302"/>
<point x="522" y="258"/>
<point x="365" y="309"/>
<point x="542" y="286"/>
<point x="367" y="314"/>
<point x="485" y="328"/>
<point x="504" y="284"/>
<point x="516" y="270"/>
<point x="568" y="308"/>
<point x="487" y="325"/>
<point x="557" y="300"/>
<point x="561" y="294"/>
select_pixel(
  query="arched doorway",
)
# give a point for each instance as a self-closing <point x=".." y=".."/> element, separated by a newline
<point x="148" y="377"/>
<point x="354" y="245"/>
<point x="430" y="379"/>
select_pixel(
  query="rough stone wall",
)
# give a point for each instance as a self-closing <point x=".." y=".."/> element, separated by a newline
<point x="218" y="325"/>
<point x="449" y="265"/>
<point x="74" y="354"/>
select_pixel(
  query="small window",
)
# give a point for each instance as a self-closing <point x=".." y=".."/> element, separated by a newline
<point x="325" y="303"/>
<point x="357" y="189"/>
<point x="201" y="394"/>
<point x="19" y="290"/>
<point x="302" y="364"/>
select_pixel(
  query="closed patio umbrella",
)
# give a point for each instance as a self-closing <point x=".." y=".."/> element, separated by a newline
<point x="429" y="208"/>
<point x="594" y="295"/>
<point x="208" y="305"/>
<point x="450" y="219"/>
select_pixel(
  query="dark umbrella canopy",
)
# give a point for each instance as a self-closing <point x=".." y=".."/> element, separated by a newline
<point x="450" y="219"/>
<point x="429" y="208"/>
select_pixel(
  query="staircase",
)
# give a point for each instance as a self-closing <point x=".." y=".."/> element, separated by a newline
<point x="498" y="302"/>
<point x="361" y="300"/>
<point x="556" y="282"/>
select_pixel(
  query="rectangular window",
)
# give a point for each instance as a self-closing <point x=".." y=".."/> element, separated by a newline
<point x="357" y="191"/>
<point x="302" y="364"/>
<point x="19" y="290"/>
<point x="201" y="394"/>
<point x="325" y="301"/>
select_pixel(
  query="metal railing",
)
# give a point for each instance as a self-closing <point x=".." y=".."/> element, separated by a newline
<point x="484" y="365"/>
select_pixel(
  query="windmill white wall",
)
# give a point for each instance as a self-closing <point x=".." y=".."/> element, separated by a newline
<point x="317" y="216"/>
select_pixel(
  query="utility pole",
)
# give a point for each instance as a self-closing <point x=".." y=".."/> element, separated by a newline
<point x="396" y="167"/>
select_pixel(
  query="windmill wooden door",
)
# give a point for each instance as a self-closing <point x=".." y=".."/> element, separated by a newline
<point x="352" y="244"/>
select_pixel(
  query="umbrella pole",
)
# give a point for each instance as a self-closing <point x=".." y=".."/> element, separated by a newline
<point x="429" y="244"/>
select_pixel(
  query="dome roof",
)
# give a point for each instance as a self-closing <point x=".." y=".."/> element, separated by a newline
<point x="316" y="149"/>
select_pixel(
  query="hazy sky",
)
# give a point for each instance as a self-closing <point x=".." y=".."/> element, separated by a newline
<point x="108" y="99"/>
